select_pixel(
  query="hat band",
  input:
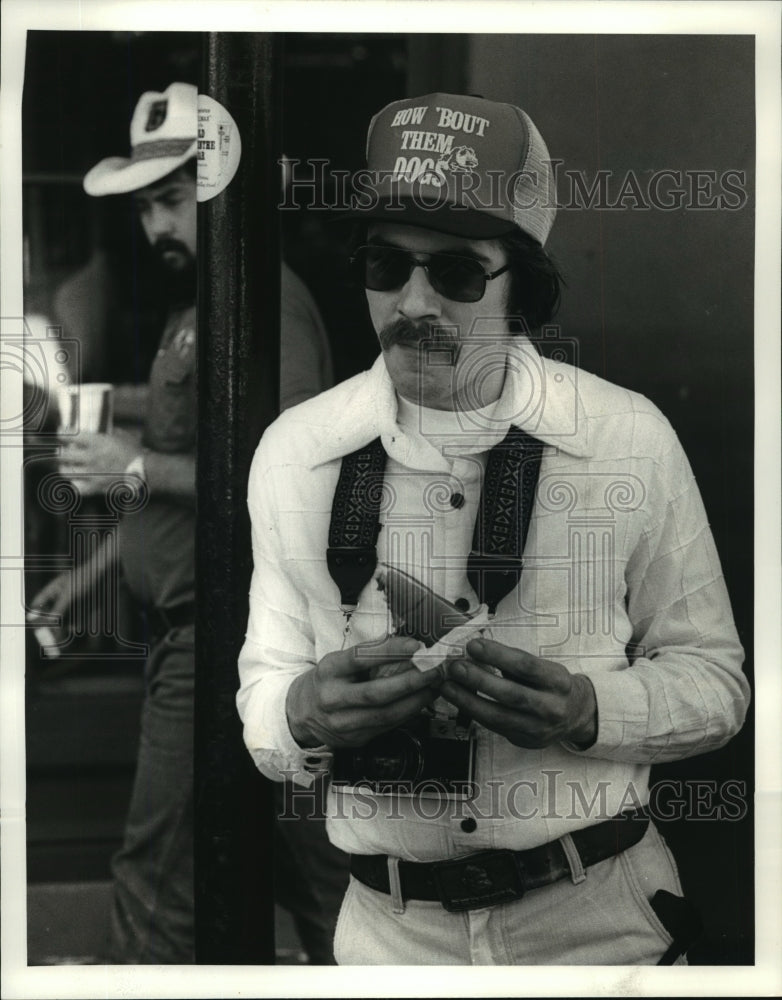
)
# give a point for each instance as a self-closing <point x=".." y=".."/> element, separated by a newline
<point x="159" y="148"/>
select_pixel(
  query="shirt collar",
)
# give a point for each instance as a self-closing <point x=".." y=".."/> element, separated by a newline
<point x="539" y="395"/>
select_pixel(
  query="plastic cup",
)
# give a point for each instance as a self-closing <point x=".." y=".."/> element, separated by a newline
<point x="86" y="407"/>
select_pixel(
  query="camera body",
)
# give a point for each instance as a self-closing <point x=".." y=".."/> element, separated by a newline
<point x="429" y="756"/>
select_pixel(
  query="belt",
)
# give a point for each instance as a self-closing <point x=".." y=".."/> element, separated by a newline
<point x="163" y="620"/>
<point x="500" y="876"/>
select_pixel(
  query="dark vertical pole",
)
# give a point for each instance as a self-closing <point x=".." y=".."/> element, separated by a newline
<point x="238" y="380"/>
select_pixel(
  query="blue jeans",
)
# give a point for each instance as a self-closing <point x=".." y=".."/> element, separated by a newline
<point x="152" y="909"/>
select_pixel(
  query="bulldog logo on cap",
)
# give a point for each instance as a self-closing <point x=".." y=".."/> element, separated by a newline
<point x="461" y="160"/>
<point x="156" y="116"/>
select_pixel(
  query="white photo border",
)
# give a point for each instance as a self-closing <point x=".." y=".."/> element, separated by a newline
<point x="760" y="19"/>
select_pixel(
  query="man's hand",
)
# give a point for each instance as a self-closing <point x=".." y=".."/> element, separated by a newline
<point x="72" y="586"/>
<point x="53" y="599"/>
<point x="535" y="703"/>
<point x="56" y="598"/>
<point x="94" y="461"/>
<point x="344" y="700"/>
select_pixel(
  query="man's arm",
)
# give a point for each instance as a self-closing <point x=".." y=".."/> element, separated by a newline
<point x="97" y="460"/>
<point x="130" y="402"/>
<point x="171" y="476"/>
<point x="305" y="354"/>
<point x="70" y="587"/>
<point x="682" y="692"/>
<point x="685" y="692"/>
<point x="291" y="703"/>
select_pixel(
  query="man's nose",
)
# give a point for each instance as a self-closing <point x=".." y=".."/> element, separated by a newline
<point x="159" y="222"/>
<point x="417" y="298"/>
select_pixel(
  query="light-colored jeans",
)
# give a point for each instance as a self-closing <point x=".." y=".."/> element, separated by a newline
<point x="605" y="920"/>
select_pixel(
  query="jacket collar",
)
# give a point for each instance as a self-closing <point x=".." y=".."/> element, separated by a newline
<point x="540" y="396"/>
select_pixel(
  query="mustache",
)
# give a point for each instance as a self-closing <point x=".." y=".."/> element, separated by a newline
<point x="168" y="244"/>
<point x="405" y="332"/>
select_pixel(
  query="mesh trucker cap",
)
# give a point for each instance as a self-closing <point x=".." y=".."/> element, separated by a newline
<point x="457" y="164"/>
<point x="162" y="137"/>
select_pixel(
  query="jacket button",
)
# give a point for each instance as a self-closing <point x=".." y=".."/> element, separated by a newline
<point x="457" y="500"/>
<point x="469" y="825"/>
<point x="462" y="604"/>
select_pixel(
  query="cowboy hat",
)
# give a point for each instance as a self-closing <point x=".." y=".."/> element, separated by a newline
<point x="162" y="138"/>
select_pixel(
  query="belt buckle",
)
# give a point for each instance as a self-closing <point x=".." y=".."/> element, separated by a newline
<point x="483" y="879"/>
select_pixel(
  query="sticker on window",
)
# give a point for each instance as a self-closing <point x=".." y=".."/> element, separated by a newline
<point x="219" y="148"/>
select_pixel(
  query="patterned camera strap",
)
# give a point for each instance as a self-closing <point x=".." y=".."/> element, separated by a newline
<point x="507" y="498"/>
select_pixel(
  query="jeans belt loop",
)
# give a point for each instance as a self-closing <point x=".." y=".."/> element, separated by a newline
<point x="395" y="885"/>
<point x="573" y="858"/>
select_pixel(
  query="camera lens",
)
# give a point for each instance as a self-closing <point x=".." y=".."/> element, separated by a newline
<point x="394" y="756"/>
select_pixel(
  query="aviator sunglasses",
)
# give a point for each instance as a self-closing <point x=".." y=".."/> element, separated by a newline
<point x="384" y="269"/>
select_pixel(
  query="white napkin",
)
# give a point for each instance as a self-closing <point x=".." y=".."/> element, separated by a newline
<point x="453" y="644"/>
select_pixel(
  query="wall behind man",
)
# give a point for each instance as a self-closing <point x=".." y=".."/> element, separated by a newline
<point x="661" y="301"/>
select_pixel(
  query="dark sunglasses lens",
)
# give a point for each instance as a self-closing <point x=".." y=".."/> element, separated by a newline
<point x="383" y="268"/>
<point x="459" y="279"/>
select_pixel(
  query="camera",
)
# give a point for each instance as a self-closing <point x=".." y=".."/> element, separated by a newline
<point x="430" y="756"/>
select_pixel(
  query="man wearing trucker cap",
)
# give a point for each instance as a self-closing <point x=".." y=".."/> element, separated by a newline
<point x="610" y="647"/>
